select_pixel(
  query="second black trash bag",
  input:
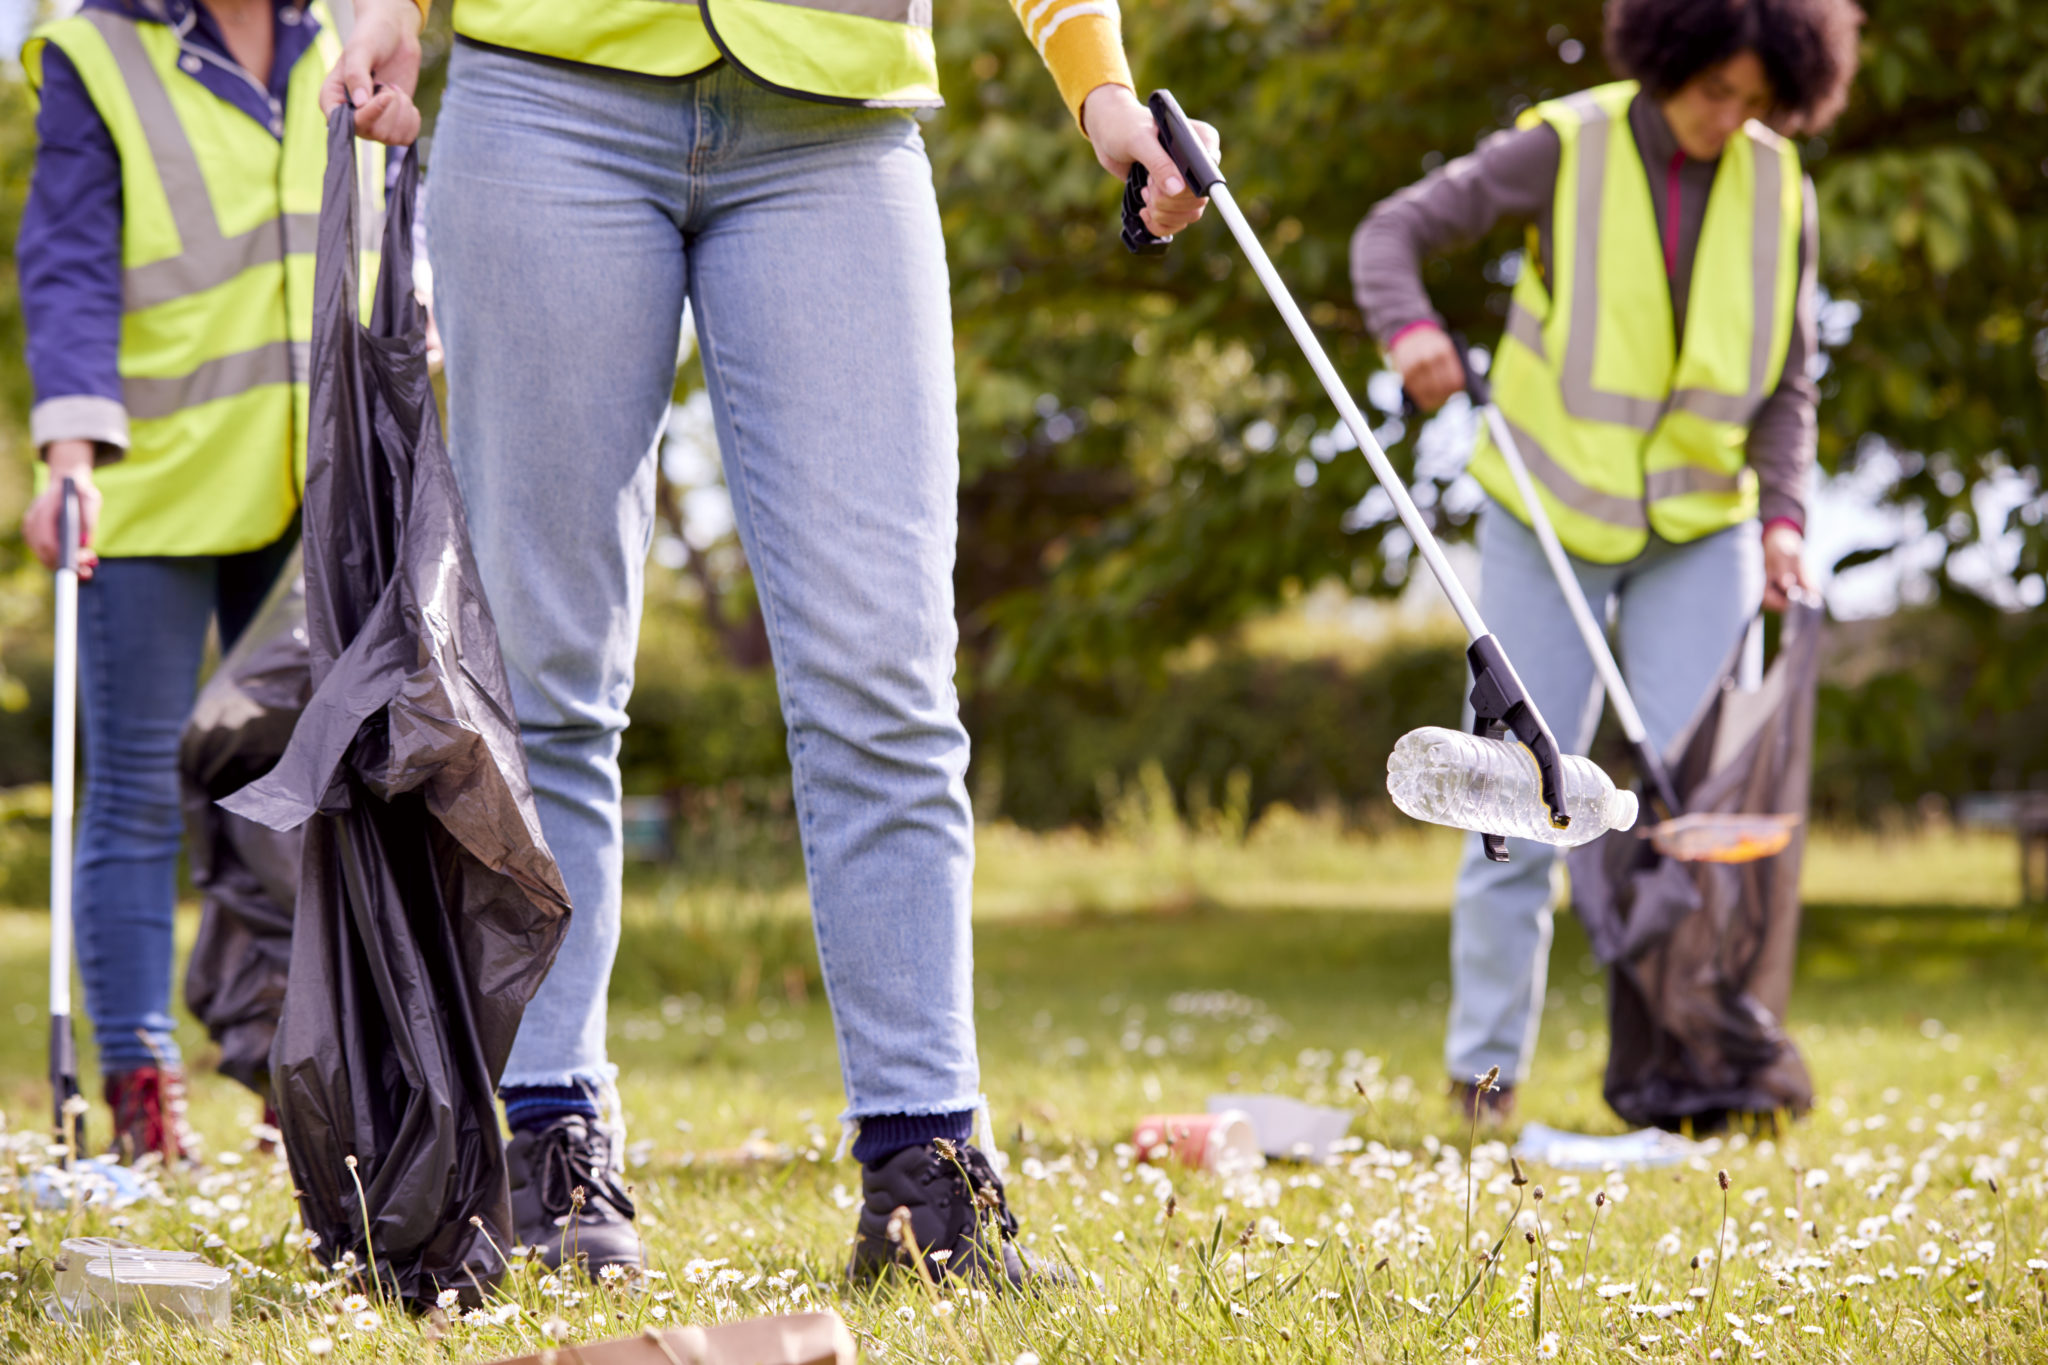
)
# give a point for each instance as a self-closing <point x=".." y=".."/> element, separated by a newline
<point x="247" y="875"/>
<point x="429" y="906"/>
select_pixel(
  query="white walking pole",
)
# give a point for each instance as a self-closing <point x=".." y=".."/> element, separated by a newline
<point x="63" y="761"/>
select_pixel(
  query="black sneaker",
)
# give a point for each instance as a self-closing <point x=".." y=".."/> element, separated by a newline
<point x="568" y="1202"/>
<point x="942" y="1200"/>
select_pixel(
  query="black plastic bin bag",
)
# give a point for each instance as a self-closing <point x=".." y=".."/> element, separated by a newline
<point x="1700" y="955"/>
<point x="247" y="874"/>
<point x="429" y="906"/>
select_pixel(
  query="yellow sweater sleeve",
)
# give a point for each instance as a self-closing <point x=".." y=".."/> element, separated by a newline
<point x="1082" y="44"/>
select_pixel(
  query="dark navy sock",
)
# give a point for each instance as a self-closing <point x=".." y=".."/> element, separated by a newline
<point x="884" y="1135"/>
<point x="535" y="1106"/>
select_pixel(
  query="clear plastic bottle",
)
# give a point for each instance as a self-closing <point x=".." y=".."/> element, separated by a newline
<point x="1491" y="785"/>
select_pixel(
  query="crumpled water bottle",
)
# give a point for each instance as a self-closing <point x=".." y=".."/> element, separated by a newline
<point x="1491" y="786"/>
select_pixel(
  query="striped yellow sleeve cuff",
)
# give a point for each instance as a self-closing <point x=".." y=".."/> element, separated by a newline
<point x="1081" y="42"/>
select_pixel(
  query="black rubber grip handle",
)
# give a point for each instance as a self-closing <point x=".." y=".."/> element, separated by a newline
<point x="1190" y="158"/>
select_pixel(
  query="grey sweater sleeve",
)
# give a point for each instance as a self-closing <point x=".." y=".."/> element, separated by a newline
<point x="1509" y="175"/>
<point x="1784" y="434"/>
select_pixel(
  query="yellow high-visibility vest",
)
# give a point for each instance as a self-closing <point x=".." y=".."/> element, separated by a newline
<point x="876" y="53"/>
<point x="219" y="222"/>
<point x="1624" y="431"/>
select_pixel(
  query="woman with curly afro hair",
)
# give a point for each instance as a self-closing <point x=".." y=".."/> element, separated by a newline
<point x="1655" y="370"/>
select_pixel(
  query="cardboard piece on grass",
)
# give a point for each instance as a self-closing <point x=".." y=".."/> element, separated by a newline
<point x="792" y="1339"/>
<point x="1289" y="1129"/>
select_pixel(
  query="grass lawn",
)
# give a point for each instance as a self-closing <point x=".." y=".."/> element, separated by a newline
<point x="1905" y="1219"/>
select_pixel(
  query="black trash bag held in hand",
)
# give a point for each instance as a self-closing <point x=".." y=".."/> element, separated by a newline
<point x="247" y="874"/>
<point x="429" y="905"/>
<point x="1701" y="955"/>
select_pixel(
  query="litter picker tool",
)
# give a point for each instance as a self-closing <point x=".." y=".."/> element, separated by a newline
<point x="1500" y="704"/>
<point x="70" y="1129"/>
<point x="1700" y="837"/>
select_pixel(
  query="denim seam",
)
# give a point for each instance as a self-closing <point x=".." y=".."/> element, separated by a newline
<point x="957" y="1105"/>
<point x="585" y="1080"/>
<point x="771" y="619"/>
<point x="695" y="171"/>
<point x="99" y="685"/>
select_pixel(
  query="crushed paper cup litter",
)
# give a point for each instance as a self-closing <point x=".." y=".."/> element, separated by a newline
<point x="1288" y="1129"/>
<point x="1225" y="1143"/>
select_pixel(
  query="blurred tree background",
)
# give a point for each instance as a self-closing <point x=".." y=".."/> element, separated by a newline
<point x="1165" y="542"/>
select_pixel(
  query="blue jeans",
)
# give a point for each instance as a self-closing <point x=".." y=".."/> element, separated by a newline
<point x="1681" y="611"/>
<point x="141" y="638"/>
<point x="574" y="211"/>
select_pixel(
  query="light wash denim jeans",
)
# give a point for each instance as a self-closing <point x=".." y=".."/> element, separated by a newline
<point x="141" y="638"/>
<point x="1682" y="610"/>
<point x="573" y="212"/>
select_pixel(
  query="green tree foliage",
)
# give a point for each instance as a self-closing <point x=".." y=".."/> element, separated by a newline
<point x="1147" y="460"/>
<point x="1934" y="203"/>
<point x="1147" y="457"/>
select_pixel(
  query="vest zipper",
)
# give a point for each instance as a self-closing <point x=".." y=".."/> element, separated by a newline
<point x="1671" y="192"/>
<point x="183" y="28"/>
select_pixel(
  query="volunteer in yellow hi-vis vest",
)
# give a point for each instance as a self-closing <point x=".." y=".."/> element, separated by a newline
<point x="166" y="264"/>
<point x="599" y="167"/>
<point x="1655" y="370"/>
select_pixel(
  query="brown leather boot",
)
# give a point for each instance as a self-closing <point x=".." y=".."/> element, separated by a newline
<point x="149" y="1115"/>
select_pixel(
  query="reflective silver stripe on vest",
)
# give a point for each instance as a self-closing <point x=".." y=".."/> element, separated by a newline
<point x="1764" y="252"/>
<point x="279" y="362"/>
<point x="918" y="12"/>
<point x="1523" y="327"/>
<point x="1581" y="399"/>
<point x="1676" y="483"/>
<point x="205" y="258"/>
<point x="1626" y="513"/>
<point x="145" y="286"/>
<point x="1715" y="407"/>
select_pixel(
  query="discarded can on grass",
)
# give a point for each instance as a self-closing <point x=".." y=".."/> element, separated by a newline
<point x="105" y="1275"/>
<point x="1225" y="1143"/>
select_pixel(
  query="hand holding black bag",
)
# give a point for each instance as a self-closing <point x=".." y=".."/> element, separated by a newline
<point x="429" y="906"/>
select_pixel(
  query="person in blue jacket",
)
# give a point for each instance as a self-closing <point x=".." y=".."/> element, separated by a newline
<point x="168" y="361"/>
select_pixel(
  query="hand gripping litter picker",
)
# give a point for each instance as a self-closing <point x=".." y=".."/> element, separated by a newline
<point x="1499" y="703"/>
<point x="64" y="731"/>
<point x="1703" y="837"/>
